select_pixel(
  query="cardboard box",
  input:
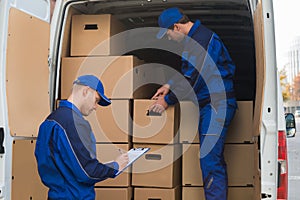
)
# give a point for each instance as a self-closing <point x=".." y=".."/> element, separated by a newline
<point x="113" y="193"/>
<point x="159" y="167"/>
<point x="91" y="35"/>
<point x="239" y="131"/>
<point x="239" y="158"/>
<point x="157" y="193"/>
<point x="123" y="77"/>
<point x="191" y="172"/>
<point x="148" y="128"/>
<point x="192" y="193"/>
<point x="112" y="124"/>
<point x="107" y="153"/>
<point x="234" y="193"/>
<point x="188" y="124"/>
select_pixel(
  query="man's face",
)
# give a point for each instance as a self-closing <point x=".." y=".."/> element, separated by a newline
<point x="91" y="102"/>
<point x="175" y="34"/>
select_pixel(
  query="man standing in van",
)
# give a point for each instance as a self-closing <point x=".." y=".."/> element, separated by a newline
<point x="66" y="147"/>
<point x="209" y="70"/>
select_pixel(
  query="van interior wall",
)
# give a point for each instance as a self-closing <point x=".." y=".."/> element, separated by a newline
<point x="231" y="21"/>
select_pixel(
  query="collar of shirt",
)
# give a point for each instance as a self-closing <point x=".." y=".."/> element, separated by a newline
<point x="197" y="23"/>
<point x="68" y="104"/>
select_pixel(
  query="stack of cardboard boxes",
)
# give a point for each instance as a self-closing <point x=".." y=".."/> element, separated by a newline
<point x="157" y="175"/>
<point x="239" y="150"/>
<point x="93" y="52"/>
<point x="171" y="169"/>
<point x="96" y="49"/>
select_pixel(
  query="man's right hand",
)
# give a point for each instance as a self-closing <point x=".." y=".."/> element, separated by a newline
<point x="122" y="161"/>
<point x="162" y="91"/>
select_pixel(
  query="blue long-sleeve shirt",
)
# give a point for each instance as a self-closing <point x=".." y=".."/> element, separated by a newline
<point x="66" y="155"/>
<point x="207" y="69"/>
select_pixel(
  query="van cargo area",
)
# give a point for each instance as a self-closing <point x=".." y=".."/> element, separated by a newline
<point x="112" y="39"/>
<point x="232" y="21"/>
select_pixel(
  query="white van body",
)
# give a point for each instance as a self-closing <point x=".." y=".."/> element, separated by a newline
<point x="25" y="90"/>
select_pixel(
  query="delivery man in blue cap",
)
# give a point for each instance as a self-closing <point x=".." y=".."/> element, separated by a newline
<point x="209" y="70"/>
<point x="66" y="147"/>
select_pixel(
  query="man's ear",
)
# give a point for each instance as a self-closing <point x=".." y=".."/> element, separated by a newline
<point x="85" y="91"/>
<point x="176" y="26"/>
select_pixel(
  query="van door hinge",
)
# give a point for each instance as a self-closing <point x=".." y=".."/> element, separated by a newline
<point x="265" y="196"/>
<point x="2" y="140"/>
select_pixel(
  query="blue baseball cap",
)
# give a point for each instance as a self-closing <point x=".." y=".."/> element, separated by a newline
<point x="168" y="18"/>
<point x="94" y="83"/>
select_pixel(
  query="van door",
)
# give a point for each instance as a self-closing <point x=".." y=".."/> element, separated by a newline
<point x="24" y="100"/>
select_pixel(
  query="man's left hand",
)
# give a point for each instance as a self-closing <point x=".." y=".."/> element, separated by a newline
<point x="159" y="105"/>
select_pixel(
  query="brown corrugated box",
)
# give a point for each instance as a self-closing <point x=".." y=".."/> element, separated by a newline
<point x="148" y="128"/>
<point x="112" y="123"/>
<point x="157" y="193"/>
<point x="239" y="159"/>
<point x="234" y="193"/>
<point x="123" y="77"/>
<point x="188" y="124"/>
<point x="159" y="167"/>
<point x="239" y="131"/>
<point x="91" y="35"/>
<point x="113" y="193"/>
<point x="115" y="72"/>
<point x="107" y="153"/>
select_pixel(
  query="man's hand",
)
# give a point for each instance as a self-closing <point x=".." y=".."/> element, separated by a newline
<point x="162" y="91"/>
<point x="159" y="105"/>
<point x="122" y="161"/>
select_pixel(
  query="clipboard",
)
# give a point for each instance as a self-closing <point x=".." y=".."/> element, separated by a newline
<point x="133" y="155"/>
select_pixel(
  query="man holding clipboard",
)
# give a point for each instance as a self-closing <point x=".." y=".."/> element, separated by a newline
<point x="133" y="155"/>
<point x="66" y="147"/>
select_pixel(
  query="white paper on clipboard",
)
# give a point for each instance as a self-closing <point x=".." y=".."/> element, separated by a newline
<point x="133" y="155"/>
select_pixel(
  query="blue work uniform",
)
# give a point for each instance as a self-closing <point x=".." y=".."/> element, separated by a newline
<point x="208" y="70"/>
<point x="66" y="155"/>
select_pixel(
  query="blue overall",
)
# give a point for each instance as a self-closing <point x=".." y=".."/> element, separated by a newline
<point x="66" y="155"/>
<point x="208" y="70"/>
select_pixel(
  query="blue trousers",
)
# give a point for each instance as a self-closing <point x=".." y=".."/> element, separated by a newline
<point x="213" y="125"/>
